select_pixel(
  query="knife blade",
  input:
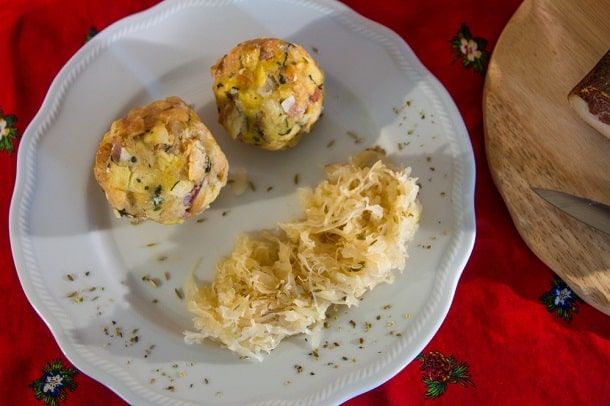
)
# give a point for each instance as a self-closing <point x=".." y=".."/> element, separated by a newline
<point x="590" y="212"/>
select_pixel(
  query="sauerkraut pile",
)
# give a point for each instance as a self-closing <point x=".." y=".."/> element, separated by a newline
<point x="353" y="237"/>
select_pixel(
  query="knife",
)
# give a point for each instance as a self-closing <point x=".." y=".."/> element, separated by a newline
<point x="595" y="214"/>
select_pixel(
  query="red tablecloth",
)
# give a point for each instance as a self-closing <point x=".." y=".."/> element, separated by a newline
<point x="514" y="334"/>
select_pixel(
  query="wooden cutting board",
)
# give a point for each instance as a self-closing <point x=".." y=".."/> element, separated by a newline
<point x="534" y="139"/>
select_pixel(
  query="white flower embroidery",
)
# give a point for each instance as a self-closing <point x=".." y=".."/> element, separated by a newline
<point x="470" y="49"/>
<point x="52" y="383"/>
<point x="562" y="296"/>
<point x="3" y="127"/>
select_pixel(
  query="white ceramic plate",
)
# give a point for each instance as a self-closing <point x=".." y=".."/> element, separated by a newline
<point x="60" y="224"/>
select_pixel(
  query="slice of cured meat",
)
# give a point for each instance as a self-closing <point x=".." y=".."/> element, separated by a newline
<point x="590" y="98"/>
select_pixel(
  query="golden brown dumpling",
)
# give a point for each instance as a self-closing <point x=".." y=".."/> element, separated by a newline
<point x="269" y="92"/>
<point x="160" y="163"/>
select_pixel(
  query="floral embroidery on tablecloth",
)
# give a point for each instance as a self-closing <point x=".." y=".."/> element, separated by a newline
<point x="91" y="33"/>
<point x="470" y="50"/>
<point x="438" y="371"/>
<point x="54" y="383"/>
<point x="8" y="132"/>
<point x="561" y="299"/>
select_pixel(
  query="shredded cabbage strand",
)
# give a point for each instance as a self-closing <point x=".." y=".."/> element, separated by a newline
<point x="353" y="236"/>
